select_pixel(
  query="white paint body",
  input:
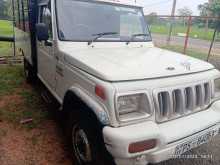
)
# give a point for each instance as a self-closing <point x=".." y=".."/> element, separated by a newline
<point x="121" y="69"/>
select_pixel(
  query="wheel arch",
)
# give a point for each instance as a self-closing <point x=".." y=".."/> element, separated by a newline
<point x="75" y="97"/>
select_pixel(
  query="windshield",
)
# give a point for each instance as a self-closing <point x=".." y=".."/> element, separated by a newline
<point x="82" y="20"/>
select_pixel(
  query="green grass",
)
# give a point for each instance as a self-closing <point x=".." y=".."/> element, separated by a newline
<point x="5" y="49"/>
<point x="10" y="79"/>
<point x="190" y="52"/>
<point x="30" y="106"/>
<point x="6" y="29"/>
<point x="195" y="32"/>
<point x="18" y="100"/>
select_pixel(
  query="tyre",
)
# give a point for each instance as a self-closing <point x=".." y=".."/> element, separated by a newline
<point x="86" y="140"/>
<point x="29" y="72"/>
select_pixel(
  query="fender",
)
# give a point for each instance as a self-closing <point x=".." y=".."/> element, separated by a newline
<point x="98" y="108"/>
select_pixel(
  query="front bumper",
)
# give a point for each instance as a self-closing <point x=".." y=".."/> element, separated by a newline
<point x="169" y="135"/>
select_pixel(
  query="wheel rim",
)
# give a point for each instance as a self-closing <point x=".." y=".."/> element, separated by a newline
<point x="81" y="146"/>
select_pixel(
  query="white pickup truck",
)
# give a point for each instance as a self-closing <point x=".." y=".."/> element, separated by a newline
<point x="124" y="101"/>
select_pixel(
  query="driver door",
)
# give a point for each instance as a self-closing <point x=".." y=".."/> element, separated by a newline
<point x="45" y="49"/>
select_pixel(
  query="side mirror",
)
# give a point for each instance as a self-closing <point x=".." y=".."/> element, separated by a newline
<point x="42" y="32"/>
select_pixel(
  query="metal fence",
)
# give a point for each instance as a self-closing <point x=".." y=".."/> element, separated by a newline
<point x="191" y="35"/>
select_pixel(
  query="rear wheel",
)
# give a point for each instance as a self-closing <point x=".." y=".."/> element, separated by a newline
<point x="87" y="142"/>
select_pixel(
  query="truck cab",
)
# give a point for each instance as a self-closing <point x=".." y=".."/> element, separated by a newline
<point x="125" y="101"/>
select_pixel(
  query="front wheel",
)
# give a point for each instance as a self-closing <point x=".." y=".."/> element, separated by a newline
<point x="81" y="145"/>
<point x="87" y="143"/>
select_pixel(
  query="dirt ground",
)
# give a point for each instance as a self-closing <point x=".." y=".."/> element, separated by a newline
<point x="39" y="142"/>
<point x="43" y="145"/>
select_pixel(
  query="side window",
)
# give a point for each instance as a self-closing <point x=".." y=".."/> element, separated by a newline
<point x="45" y="17"/>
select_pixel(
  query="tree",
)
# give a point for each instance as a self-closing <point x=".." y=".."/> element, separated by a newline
<point x="215" y="8"/>
<point x="204" y="10"/>
<point x="151" y="18"/>
<point x="210" y="9"/>
<point x="2" y="8"/>
<point x="185" y="12"/>
<point x="5" y="9"/>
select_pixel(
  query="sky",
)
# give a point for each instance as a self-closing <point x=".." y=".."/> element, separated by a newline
<point x="164" y="7"/>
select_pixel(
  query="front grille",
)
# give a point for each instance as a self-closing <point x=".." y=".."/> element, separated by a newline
<point x="177" y="102"/>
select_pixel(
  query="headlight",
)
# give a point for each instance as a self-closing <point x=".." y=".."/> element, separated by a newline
<point x="217" y="88"/>
<point x="130" y="107"/>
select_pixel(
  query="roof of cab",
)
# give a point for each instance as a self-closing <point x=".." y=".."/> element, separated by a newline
<point x="122" y="2"/>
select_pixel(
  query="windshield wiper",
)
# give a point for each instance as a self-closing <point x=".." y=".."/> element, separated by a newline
<point x="99" y="35"/>
<point x="137" y="35"/>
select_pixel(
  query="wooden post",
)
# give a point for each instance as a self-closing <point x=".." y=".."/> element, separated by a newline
<point x="187" y="34"/>
<point x="206" y="27"/>
<point x="172" y="21"/>
<point x="13" y="14"/>
<point x="211" y="46"/>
